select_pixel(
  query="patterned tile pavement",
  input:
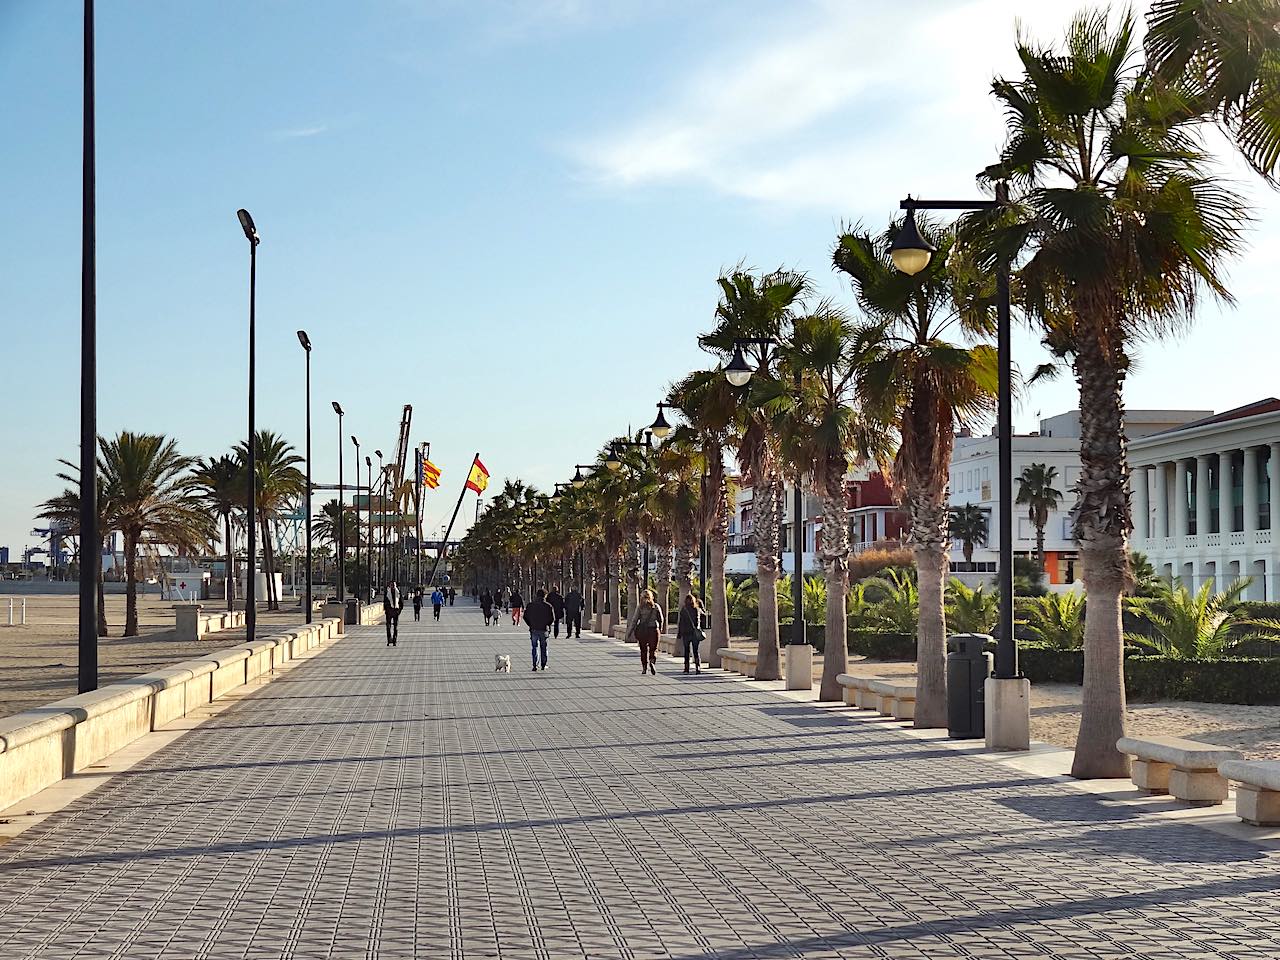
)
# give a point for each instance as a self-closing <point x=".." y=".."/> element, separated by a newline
<point x="412" y="803"/>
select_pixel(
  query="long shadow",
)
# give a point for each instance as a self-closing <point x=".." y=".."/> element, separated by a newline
<point x="656" y="813"/>
<point x="1126" y="904"/>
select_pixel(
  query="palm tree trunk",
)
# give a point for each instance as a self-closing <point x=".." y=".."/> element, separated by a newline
<point x="102" y="592"/>
<point x="231" y="560"/>
<point x="835" y="550"/>
<point x="633" y="574"/>
<point x="1040" y="545"/>
<point x="684" y="572"/>
<point x="268" y="564"/>
<point x="766" y="499"/>
<point x="1101" y="520"/>
<point x="131" y="584"/>
<point x="928" y="539"/>
<point x="662" y="569"/>
<point x="719" y="634"/>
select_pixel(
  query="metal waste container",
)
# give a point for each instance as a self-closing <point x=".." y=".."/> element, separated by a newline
<point x="353" y="611"/>
<point x="968" y="667"/>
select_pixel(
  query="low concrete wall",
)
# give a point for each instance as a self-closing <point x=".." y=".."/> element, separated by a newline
<point x="42" y="746"/>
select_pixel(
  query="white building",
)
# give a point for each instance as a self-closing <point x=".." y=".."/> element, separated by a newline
<point x="1206" y="498"/>
<point x="975" y="474"/>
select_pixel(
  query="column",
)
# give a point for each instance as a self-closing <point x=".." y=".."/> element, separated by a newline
<point x="1202" y="497"/>
<point x="1225" y="514"/>
<point x="1141" y="503"/>
<point x="1273" y="475"/>
<point x="1250" y="495"/>
<point x="1162" y="501"/>
<point x="1180" y="499"/>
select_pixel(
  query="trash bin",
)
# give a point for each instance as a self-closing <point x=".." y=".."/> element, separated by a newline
<point x="968" y="667"/>
<point x="353" y="611"/>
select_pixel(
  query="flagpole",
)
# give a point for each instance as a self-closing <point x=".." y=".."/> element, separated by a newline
<point x="458" y="506"/>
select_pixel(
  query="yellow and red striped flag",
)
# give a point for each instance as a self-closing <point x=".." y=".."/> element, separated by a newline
<point x="430" y="474"/>
<point x="479" y="478"/>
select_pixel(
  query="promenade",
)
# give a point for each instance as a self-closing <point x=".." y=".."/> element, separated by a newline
<point x="411" y="803"/>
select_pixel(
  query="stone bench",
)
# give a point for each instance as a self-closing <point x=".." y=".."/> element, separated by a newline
<point x="1187" y="769"/>
<point x="897" y="699"/>
<point x="1258" y="793"/>
<point x="857" y="691"/>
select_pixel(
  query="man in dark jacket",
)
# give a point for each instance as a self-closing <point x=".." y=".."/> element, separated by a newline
<point x="573" y="605"/>
<point x="537" y="617"/>
<point x="557" y="607"/>
<point x="392" y="604"/>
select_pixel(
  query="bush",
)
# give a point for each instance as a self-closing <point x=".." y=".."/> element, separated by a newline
<point x="1042" y="664"/>
<point x="815" y="633"/>
<point x="1247" y="680"/>
<point x="871" y="562"/>
<point x="879" y="645"/>
<point x="742" y="627"/>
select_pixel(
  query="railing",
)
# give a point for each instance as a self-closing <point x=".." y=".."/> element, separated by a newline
<point x="1213" y="539"/>
<point x="1262" y="537"/>
<point x="1235" y="538"/>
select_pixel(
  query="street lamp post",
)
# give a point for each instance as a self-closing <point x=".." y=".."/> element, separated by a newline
<point x="1007" y="694"/>
<point x="306" y="346"/>
<point x="368" y="476"/>
<point x="384" y="558"/>
<point x="799" y="677"/>
<point x="250" y="600"/>
<point x="90" y="535"/>
<point x="342" y="515"/>
<point x="356" y="502"/>
<point x="645" y="447"/>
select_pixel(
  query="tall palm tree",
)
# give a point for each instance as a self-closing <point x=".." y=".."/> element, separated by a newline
<point x="1120" y="225"/>
<point x="220" y="481"/>
<point x="826" y="429"/>
<point x="327" y="526"/>
<point x="279" y="482"/>
<point x="912" y="377"/>
<point x="64" y="509"/>
<point x="1037" y="493"/>
<point x="760" y="307"/>
<point x="154" y="497"/>
<point x="970" y="525"/>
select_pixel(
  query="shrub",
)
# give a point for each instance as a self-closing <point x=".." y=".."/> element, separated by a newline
<point x="1055" y="620"/>
<point x="882" y="645"/>
<point x="1236" y="680"/>
<point x="1203" y="625"/>
<point x="1045" y="664"/>
<point x="871" y="562"/>
<point x="739" y="627"/>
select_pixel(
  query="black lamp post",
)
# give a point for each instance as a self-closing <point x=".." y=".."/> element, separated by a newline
<point x="368" y="474"/>
<point x="739" y="373"/>
<point x="306" y="346"/>
<point x="356" y="501"/>
<point x="645" y="447"/>
<point x="250" y="600"/>
<point x="384" y="564"/>
<point x="342" y="512"/>
<point x="90" y="535"/>
<point x="911" y="253"/>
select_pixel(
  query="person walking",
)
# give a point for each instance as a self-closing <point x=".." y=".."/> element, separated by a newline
<point x="392" y="604"/>
<point x="437" y="601"/>
<point x="486" y="605"/>
<point x="689" y="630"/>
<point x="452" y="593"/>
<point x="538" y="618"/>
<point x="645" y="627"/>
<point x="517" y="607"/>
<point x="573" y="604"/>
<point x="417" y="603"/>
<point x="557" y="607"/>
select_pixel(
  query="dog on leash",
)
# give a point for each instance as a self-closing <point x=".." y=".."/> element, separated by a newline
<point x="501" y="664"/>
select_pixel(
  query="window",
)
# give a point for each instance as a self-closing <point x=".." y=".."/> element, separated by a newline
<point x="1025" y="529"/>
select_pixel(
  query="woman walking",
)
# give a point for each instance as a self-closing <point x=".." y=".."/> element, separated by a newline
<point x="417" y="603"/>
<point x="645" y="627"/>
<point x="486" y="605"/>
<point x="517" y="607"/>
<point x="689" y="630"/>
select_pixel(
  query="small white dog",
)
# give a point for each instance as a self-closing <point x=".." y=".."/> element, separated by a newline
<point x="501" y="664"/>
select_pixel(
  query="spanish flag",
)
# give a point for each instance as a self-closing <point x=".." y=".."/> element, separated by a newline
<point x="430" y="474"/>
<point x="479" y="478"/>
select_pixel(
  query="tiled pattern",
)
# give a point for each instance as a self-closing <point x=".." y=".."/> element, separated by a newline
<point x="410" y="802"/>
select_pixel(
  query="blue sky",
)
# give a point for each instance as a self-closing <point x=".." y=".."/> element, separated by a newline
<point x="509" y="214"/>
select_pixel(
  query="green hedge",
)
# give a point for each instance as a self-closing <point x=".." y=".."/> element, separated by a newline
<point x="1250" y="680"/>
<point x="879" y="645"/>
<point x="741" y="627"/>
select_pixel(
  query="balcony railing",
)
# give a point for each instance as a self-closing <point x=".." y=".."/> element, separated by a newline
<point x="1210" y="541"/>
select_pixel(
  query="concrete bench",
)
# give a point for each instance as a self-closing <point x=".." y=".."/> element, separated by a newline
<point x="1258" y="793"/>
<point x="733" y="660"/>
<point x="897" y="699"/>
<point x="1187" y="769"/>
<point x="857" y="691"/>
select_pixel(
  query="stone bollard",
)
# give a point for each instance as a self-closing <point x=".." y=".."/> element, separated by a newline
<point x="187" y="616"/>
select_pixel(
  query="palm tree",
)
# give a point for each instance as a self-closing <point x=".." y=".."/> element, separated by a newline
<point x="969" y="524"/>
<point x="327" y="527"/>
<point x="1056" y="620"/>
<point x="970" y="609"/>
<point x="1038" y="494"/>
<point x="1200" y="626"/>
<point x="762" y="308"/>
<point x="912" y="377"/>
<point x="221" y="482"/>
<point x="897" y="607"/>
<point x="154" y="497"/>
<point x="824" y="430"/>
<point x="279" y="482"/>
<point x="1120" y="226"/>
<point x="64" y="509"/>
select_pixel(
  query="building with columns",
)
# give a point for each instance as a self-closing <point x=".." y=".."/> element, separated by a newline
<point x="1206" y="498"/>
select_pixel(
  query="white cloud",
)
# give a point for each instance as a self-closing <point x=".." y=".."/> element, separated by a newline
<point x="295" y="133"/>
<point x="837" y="100"/>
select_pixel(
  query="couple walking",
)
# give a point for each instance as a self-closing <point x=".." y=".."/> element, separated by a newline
<point x="649" y="622"/>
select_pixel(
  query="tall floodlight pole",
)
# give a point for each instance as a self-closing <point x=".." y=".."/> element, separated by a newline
<point x="342" y="515"/>
<point x="90" y="535"/>
<point x="1007" y="700"/>
<point x="306" y="346"/>
<point x="251" y="577"/>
